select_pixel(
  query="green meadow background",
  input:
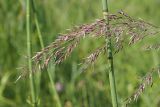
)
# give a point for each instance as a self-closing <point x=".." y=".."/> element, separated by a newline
<point x="87" y="89"/>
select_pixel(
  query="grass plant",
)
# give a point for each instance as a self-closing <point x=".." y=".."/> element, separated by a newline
<point x="110" y="56"/>
<point x="117" y="35"/>
<point x="115" y="29"/>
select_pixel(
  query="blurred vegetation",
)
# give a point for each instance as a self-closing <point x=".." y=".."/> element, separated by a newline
<point x="91" y="88"/>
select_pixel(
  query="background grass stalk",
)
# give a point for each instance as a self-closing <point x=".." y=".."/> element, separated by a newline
<point x="110" y="57"/>
<point x="53" y="90"/>
<point x="31" y="79"/>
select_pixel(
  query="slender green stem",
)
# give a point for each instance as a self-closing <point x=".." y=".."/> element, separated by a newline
<point x="110" y="58"/>
<point x="37" y="24"/>
<point x="32" y="87"/>
<point x="54" y="92"/>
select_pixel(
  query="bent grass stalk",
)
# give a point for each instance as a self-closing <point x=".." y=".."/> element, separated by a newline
<point x="31" y="79"/>
<point x="53" y="90"/>
<point x="110" y="57"/>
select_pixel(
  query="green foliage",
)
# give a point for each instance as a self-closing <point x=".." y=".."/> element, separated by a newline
<point x="87" y="89"/>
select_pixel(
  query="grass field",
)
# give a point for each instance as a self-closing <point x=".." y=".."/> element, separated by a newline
<point x="73" y="89"/>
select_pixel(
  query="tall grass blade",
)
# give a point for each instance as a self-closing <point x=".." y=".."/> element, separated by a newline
<point x="31" y="79"/>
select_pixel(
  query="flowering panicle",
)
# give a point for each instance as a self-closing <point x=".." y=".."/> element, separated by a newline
<point x="151" y="47"/>
<point x="121" y="28"/>
<point x="146" y="82"/>
<point x="62" y="47"/>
